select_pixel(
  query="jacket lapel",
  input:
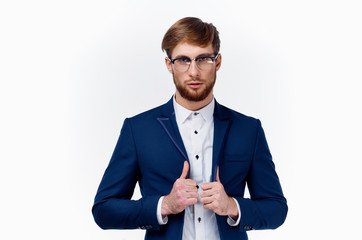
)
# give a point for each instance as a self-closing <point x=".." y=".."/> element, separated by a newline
<point x="222" y="123"/>
<point x="168" y="123"/>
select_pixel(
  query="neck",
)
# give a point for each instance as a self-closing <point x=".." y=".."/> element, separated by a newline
<point x="192" y="105"/>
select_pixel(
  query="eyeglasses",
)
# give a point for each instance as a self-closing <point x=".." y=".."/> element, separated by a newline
<point x="182" y="64"/>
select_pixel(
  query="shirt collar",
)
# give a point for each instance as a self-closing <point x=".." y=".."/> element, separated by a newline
<point x="182" y="113"/>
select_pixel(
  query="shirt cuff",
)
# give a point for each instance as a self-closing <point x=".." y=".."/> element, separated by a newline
<point x="159" y="215"/>
<point x="231" y="221"/>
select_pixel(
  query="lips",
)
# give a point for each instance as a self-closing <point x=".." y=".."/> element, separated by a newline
<point x="194" y="84"/>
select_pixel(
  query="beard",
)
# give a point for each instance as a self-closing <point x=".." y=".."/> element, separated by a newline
<point x="195" y="95"/>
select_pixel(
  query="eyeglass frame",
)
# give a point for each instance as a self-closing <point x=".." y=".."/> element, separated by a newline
<point x="213" y="59"/>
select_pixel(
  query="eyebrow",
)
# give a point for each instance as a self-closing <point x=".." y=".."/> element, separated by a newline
<point x="200" y="55"/>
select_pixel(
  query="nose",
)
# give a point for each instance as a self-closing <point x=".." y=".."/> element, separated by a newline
<point x="193" y="70"/>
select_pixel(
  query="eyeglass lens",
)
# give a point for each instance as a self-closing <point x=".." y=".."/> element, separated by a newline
<point x="203" y="63"/>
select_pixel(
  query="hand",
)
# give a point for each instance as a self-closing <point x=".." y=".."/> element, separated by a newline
<point x="183" y="194"/>
<point x="215" y="198"/>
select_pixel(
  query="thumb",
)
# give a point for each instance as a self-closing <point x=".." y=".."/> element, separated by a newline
<point x="185" y="170"/>
<point x="217" y="174"/>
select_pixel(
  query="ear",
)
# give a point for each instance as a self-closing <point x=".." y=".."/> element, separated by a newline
<point x="218" y="62"/>
<point x="168" y="64"/>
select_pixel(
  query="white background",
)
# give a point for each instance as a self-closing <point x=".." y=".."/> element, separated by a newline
<point x="71" y="71"/>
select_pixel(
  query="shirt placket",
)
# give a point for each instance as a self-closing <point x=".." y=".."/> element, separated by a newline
<point x="197" y="171"/>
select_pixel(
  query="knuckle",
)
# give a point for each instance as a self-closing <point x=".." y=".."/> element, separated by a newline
<point x="179" y="182"/>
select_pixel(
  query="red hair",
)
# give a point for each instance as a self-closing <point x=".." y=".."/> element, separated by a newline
<point x="193" y="31"/>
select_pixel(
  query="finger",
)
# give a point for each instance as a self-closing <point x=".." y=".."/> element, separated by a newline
<point x="190" y="189"/>
<point x="209" y="206"/>
<point x="189" y="195"/>
<point x="191" y="201"/>
<point x="217" y="175"/>
<point x="206" y="200"/>
<point x="207" y="193"/>
<point x="186" y="182"/>
<point x="206" y="186"/>
<point x="190" y="182"/>
<point x="185" y="170"/>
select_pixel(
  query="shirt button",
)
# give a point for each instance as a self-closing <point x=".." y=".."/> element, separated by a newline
<point x="195" y="113"/>
<point x="196" y="132"/>
<point x="199" y="219"/>
<point x="197" y="156"/>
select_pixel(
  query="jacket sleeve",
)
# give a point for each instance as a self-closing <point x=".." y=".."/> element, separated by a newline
<point x="113" y="207"/>
<point x="267" y="207"/>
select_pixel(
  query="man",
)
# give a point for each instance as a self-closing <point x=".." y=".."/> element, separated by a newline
<point x="192" y="157"/>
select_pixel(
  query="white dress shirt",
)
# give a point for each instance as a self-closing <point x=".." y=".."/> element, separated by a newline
<point x="197" y="132"/>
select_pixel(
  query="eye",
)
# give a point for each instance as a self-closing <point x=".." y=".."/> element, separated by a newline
<point x="184" y="60"/>
<point x="202" y="59"/>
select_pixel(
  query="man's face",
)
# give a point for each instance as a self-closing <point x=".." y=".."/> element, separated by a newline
<point x="194" y="84"/>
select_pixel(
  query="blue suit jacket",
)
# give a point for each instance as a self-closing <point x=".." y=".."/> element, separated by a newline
<point x="150" y="150"/>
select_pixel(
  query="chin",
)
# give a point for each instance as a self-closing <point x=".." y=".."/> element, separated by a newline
<point x="195" y="97"/>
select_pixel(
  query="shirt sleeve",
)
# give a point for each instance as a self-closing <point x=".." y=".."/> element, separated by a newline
<point x="231" y="221"/>
<point x="162" y="221"/>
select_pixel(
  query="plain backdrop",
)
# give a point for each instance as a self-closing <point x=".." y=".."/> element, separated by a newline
<point x="71" y="71"/>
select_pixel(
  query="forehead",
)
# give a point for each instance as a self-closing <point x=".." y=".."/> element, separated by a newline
<point x="189" y="50"/>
